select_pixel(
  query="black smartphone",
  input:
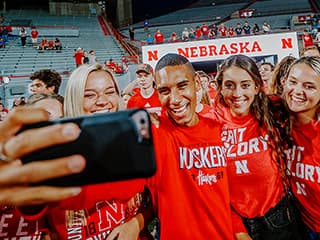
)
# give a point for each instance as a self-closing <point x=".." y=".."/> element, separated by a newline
<point x="117" y="146"/>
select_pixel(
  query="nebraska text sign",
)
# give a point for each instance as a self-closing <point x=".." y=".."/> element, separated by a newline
<point x="280" y="44"/>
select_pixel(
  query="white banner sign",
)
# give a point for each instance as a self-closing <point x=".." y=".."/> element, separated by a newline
<point x="279" y="45"/>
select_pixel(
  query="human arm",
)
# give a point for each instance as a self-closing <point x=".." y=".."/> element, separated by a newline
<point x="16" y="178"/>
<point x="238" y="227"/>
<point x="130" y="230"/>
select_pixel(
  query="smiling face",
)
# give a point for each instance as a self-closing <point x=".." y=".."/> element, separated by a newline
<point x="145" y="80"/>
<point x="177" y="87"/>
<point x="302" y="91"/>
<point x="238" y="90"/>
<point x="100" y="94"/>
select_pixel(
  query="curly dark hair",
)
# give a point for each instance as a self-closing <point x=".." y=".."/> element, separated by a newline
<point x="49" y="77"/>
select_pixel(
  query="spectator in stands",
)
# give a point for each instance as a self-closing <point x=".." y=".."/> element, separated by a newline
<point x="266" y="72"/>
<point x="205" y="83"/>
<point x="310" y="51"/>
<point x="2" y="43"/>
<point x="149" y="39"/>
<point x="5" y="34"/>
<point x="215" y="29"/>
<point x="52" y="103"/>
<point x="231" y="32"/>
<point x="2" y="19"/>
<point x="307" y="39"/>
<point x="238" y="29"/>
<point x="198" y="33"/>
<point x="266" y="28"/>
<point x="255" y="29"/>
<point x="78" y="56"/>
<point x="23" y="36"/>
<point x="246" y="28"/>
<point x="205" y="31"/>
<point x="3" y="111"/>
<point x="85" y="59"/>
<point x="34" y="37"/>
<point x="222" y="30"/>
<point x="114" y="67"/>
<point x="46" y="81"/>
<point x="43" y="45"/>
<point x="50" y="44"/>
<point x="57" y="44"/>
<point x="192" y="34"/>
<point x="185" y="34"/>
<point x="146" y="25"/>
<point x="158" y="37"/>
<point x="92" y="57"/>
<point x="211" y="34"/>
<point x="174" y="37"/>
<point x="131" y="33"/>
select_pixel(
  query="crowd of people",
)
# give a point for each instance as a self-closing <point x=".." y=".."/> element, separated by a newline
<point x="205" y="31"/>
<point x="236" y="154"/>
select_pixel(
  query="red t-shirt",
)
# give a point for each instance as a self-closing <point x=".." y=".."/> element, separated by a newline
<point x="78" y="57"/>
<point x="190" y="187"/>
<point x="223" y="31"/>
<point x="151" y="104"/>
<point x="304" y="163"/>
<point x="307" y="40"/>
<point x="159" y="37"/>
<point x="34" y="34"/>
<point x="97" y="210"/>
<point x="205" y="30"/>
<point x="14" y="226"/>
<point x="255" y="180"/>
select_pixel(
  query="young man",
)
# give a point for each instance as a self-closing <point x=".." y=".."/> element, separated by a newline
<point x="146" y="97"/>
<point x="45" y="81"/>
<point x="266" y="72"/>
<point x="190" y="188"/>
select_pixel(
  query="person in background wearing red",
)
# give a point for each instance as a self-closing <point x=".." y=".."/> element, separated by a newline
<point x="307" y="39"/>
<point x="3" y="112"/>
<point x="222" y="30"/>
<point x="78" y="56"/>
<point x="205" y="31"/>
<point x="43" y="45"/>
<point x="158" y="37"/>
<point x="34" y="37"/>
<point x="190" y="190"/>
<point x="50" y="44"/>
<point x="255" y="140"/>
<point x="198" y="33"/>
<point x="231" y="32"/>
<point x="147" y="97"/>
<point x="174" y="37"/>
<point x="302" y="96"/>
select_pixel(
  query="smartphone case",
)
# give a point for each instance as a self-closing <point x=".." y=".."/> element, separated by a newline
<point x="117" y="146"/>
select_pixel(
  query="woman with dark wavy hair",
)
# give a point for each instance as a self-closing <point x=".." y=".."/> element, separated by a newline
<point x="255" y="140"/>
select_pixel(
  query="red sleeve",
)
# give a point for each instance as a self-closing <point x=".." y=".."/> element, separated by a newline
<point x="90" y="194"/>
<point x="237" y="223"/>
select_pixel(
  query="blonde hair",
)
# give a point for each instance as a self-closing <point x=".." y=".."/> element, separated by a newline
<point x="74" y="93"/>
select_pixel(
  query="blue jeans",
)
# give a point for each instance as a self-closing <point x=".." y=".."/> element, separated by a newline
<point x="279" y="223"/>
<point x="313" y="235"/>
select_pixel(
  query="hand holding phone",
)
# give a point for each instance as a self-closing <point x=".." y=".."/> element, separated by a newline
<point x="117" y="146"/>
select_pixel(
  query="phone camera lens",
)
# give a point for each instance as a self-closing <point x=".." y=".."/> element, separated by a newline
<point x="142" y="121"/>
